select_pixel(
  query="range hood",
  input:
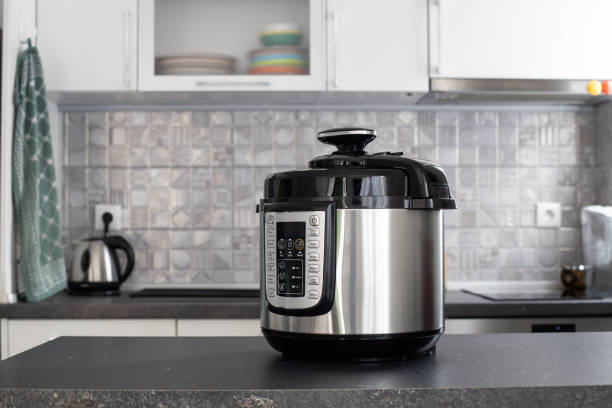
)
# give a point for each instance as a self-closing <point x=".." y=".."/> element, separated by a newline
<point x="457" y="91"/>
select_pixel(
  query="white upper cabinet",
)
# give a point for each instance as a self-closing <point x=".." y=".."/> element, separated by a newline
<point x="377" y="45"/>
<point x="216" y="45"/>
<point x="543" y="39"/>
<point x="88" y="45"/>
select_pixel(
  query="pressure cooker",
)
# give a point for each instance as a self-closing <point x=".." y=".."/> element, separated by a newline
<point x="352" y="253"/>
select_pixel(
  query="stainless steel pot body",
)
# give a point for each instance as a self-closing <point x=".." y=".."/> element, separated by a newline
<point x="388" y="276"/>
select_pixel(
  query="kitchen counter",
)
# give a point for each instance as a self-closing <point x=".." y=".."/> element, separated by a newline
<point x="457" y="305"/>
<point x="501" y="370"/>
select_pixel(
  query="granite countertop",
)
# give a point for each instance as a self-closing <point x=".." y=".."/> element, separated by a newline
<point x="457" y="305"/>
<point x="500" y="370"/>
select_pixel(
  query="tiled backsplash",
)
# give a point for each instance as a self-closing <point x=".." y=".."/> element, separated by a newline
<point x="188" y="182"/>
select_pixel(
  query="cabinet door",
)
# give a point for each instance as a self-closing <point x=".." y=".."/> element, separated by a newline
<point x="88" y="45"/>
<point x="377" y="45"/>
<point x="524" y="39"/>
<point x="24" y="334"/>
<point x="219" y="44"/>
<point x="218" y="327"/>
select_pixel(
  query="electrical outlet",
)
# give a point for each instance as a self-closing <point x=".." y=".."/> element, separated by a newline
<point x="548" y="215"/>
<point x="114" y="210"/>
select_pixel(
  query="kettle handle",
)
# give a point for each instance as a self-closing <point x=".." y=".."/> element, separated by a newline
<point x="117" y="242"/>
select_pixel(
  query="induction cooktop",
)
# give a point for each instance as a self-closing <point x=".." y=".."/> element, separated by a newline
<point x="558" y="294"/>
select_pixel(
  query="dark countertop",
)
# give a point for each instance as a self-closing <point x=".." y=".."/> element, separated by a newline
<point x="457" y="305"/>
<point x="501" y="370"/>
<point x="65" y="306"/>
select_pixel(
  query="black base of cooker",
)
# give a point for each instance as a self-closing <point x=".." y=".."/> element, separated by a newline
<point x="360" y="348"/>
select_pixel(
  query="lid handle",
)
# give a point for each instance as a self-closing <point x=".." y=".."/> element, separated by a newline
<point x="348" y="141"/>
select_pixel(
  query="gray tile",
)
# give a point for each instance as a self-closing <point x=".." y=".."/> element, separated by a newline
<point x="181" y="259"/>
<point x="118" y="156"/>
<point x="426" y="135"/>
<point x="508" y="136"/>
<point x="265" y="117"/>
<point x="509" y="119"/>
<point x="139" y="136"/>
<point x="528" y="156"/>
<point x="118" y="118"/>
<point x="284" y="118"/>
<point x="97" y="177"/>
<point x="160" y="156"/>
<point x="160" y="218"/>
<point x="181" y="173"/>
<point x="200" y="119"/>
<point x="407" y="118"/>
<point x="98" y="136"/>
<point x="201" y="137"/>
<point x="304" y="118"/>
<point x="140" y="118"/>
<point x="98" y="156"/>
<point x="180" y="218"/>
<point x="220" y="118"/>
<point x="139" y="217"/>
<point x="118" y="136"/>
<point x="139" y="157"/>
<point x="487" y="155"/>
<point x="508" y="156"/>
<point x="468" y="156"/>
<point x="447" y="136"/>
<point x="385" y="118"/>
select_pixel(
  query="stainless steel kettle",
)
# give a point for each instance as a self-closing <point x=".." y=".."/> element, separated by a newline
<point x="95" y="264"/>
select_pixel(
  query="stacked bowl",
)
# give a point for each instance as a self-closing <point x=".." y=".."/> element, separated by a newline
<point x="281" y="53"/>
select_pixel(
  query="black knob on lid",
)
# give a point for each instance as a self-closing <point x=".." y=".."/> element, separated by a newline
<point x="348" y="141"/>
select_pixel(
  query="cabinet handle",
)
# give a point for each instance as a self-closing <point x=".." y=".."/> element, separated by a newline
<point x="435" y="13"/>
<point x="334" y="40"/>
<point x="232" y="83"/>
<point x="127" y="17"/>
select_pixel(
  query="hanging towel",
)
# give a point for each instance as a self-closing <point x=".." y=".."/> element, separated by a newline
<point x="41" y="271"/>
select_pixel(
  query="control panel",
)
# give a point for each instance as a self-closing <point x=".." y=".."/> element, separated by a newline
<point x="294" y="255"/>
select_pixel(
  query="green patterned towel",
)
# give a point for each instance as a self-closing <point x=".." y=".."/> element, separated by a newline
<point x="41" y="271"/>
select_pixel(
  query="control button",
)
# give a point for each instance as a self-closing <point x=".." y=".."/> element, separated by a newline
<point x="289" y="244"/>
<point x="313" y="243"/>
<point x="270" y="256"/>
<point x="313" y="267"/>
<point x="271" y="293"/>
<point x="282" y="244"/>
<point x="313" y="280"/>
<point x="313" y="232"/>
<point x="313" y="256"/>
<point x="299" y="244"/>
<point x="270" y="219"/>
<point x="271" y="232"/>
<point x="270" y="267"/>
<point x="281" y="287"/>
<point x="282" y="265"/>
<point x="271" y="279"/>
<point x="270" y="243"/>
<point x="314" y="220"/>
<point x="313" y="294"/>
<point x="282" y="276"/>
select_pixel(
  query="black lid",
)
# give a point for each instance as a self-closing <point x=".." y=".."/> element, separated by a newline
<point x="355" y="179"/>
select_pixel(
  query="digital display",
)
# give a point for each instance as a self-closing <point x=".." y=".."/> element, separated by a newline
<point x="290" y="250"/>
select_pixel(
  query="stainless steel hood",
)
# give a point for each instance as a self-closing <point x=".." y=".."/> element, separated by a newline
<point x="449" y="91"/>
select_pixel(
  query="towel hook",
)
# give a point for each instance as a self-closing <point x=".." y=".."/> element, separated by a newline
<point x="23" y="37"/>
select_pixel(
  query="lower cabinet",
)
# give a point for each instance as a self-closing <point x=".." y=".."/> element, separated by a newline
<point x="527" y="325"/>
<point x="22" y="334"/>
<point x="218" y="327"/>
<point x="17" y="335"/>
